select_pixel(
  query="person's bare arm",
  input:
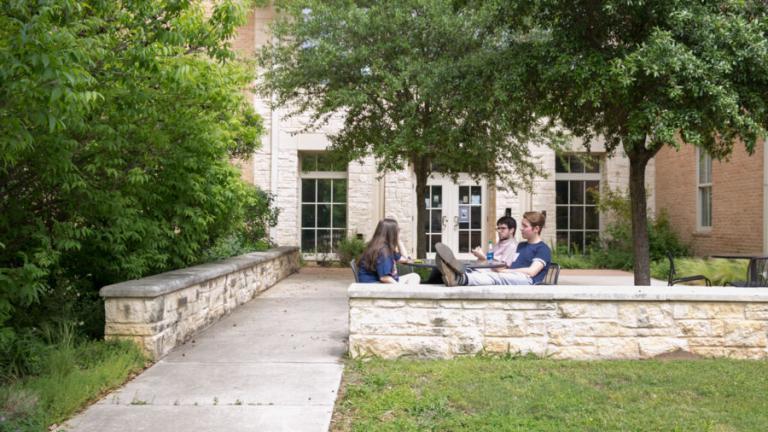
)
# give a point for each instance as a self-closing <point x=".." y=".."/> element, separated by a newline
<point x="404" y="257"/>
<point x="478" y="253"/>
<point x="387" y="280"/>
<point x="530" y="271"/>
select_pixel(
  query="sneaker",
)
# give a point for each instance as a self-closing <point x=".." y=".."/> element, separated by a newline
<point x="448" y="265"/>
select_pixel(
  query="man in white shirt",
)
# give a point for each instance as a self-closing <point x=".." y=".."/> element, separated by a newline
<point x="505" y="250"/>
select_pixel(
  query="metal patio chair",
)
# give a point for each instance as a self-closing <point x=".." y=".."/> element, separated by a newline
<point x="553" y="274"/>
<point x="673" y="278"/>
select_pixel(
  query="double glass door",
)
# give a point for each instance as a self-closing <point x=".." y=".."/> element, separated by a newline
<point x="456" y="214"/>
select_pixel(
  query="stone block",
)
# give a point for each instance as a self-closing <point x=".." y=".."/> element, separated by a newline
<point x="571" y="340"/>
<point x="426" y="304"/>
<point x="653" y="346"/>
<point x="700" y="328"/>
<point x="745" y="333"/>
<point x="588" y="310"/>
<point x="583" y="352"/>
<point x="645" y="315"/>
<point x="392" y="347"/>
<point x="617" y="348"/>
<point x="756" y="311"/>
<point x="708" y="351"/>
<point x="591" y="328"/>
<point x="746" y="353"/>
<point x="515" y="346"/>
<point x="705" y="341"/>
<point x="389" y="303"/>
<point x="540" y="314"/>
<point x="708" y="311"/>
<point x="135" y="310"/>
<point x="504" y="323"/>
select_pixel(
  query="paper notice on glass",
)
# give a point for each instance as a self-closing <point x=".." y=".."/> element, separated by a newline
<point x="463" y="214"/>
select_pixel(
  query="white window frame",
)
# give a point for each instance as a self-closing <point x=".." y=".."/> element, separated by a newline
<point x="568" y="176"/>
<point x="701" y="188"/>
<point x="318" y="175"/>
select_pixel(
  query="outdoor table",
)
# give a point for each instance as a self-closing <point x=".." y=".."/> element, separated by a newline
<point x="436" y="277"/>
<point x="751" y="267"/>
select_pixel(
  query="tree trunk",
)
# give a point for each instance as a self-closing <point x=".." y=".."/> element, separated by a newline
<point x="421" y="169"/>
<point x="638" y="160"/>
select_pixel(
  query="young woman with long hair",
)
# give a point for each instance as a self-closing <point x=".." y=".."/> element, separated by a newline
<point x="381" y="255"/>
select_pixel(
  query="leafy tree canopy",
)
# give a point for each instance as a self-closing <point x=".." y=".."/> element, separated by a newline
<point x="645" y="74"/>
<point x="413" y="82"/>
<point x="118" y="120"/>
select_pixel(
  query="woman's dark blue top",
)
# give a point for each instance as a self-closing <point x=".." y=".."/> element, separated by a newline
<point x="385" y="266"/>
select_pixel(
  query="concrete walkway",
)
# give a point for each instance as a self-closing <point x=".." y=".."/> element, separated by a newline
<point x="274" y="364"/>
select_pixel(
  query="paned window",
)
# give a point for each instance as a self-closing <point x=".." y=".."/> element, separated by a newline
<point x="704" y="190"/>
<point x="323" y="203"/>
<point x="470" y="218"/>
<point x="577" y="180"/>
<point x="433" y="224"/>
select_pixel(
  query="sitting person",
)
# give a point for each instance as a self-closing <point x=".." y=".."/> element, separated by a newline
<point x="530" y="266"/>
<point x="381" y="255"/>
<point x="506" y="249"/>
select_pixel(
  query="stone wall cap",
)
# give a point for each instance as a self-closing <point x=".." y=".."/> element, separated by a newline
<point x="164" y="283"/>
<point x="559" y="292"/>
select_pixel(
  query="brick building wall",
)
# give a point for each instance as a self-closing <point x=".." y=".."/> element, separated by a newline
<point x="737" y="199"/>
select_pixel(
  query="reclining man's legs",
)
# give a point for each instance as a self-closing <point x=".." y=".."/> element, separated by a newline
<point x="454" y="273"/>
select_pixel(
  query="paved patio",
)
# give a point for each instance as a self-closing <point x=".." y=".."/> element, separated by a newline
<point x="275" y="364"/>
<point x="599" y="277"/>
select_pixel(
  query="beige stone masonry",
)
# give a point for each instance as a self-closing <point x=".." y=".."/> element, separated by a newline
<point x="573" y="322"/>
<point x="162" y="311"/>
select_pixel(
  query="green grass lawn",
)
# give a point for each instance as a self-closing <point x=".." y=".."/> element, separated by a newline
<point x="523" y="394"/>
<point x="74" y="376"/>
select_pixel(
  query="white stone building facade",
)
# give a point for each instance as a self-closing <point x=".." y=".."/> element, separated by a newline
<point x="370" y="195"/>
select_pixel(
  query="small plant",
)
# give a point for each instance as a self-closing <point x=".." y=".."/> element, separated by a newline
<point x="350" y="248"/>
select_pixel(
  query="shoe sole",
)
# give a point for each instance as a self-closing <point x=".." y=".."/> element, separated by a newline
<point x="444" y="259"/>
<point x="446" y="256"/>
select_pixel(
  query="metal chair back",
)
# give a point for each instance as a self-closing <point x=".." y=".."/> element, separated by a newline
<point x="672" y="277"/>
<point x="758" y="272"/>
<point x="353" y="266"/>
<point x="553" y="274"/>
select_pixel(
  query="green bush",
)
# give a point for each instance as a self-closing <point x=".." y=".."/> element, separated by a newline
<point x="571" y="261"/>
<point x="350" y="248"/>
<point x="615" y="249"/>
<point x="119" y="123"/>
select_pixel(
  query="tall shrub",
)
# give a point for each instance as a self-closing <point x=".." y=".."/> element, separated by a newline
<point x="118" y="120"/>
<point x="615" y="247"/>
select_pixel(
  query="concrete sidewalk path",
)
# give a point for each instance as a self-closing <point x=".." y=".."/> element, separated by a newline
<point x="274" y="364"/>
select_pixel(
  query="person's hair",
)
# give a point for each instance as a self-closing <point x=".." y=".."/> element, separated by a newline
<point x="536" y="219"/>
<point x="508" y="221"/>
<point x="384" y="241"/>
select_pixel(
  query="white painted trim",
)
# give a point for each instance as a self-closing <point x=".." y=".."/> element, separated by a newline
<point x="274" y="148"/>
<point x="323" y="175"/>
<point x="699" y="227"/>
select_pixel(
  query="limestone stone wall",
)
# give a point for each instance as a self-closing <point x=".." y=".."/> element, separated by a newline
<point x="564" y="322"/>
<point x="162" y="311"/>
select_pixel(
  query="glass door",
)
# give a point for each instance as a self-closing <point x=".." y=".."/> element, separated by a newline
<point x="455" y="214"/>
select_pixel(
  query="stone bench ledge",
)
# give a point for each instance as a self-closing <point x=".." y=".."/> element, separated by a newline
<point x="618" y="293"/>
<point x="168" y="282"/>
